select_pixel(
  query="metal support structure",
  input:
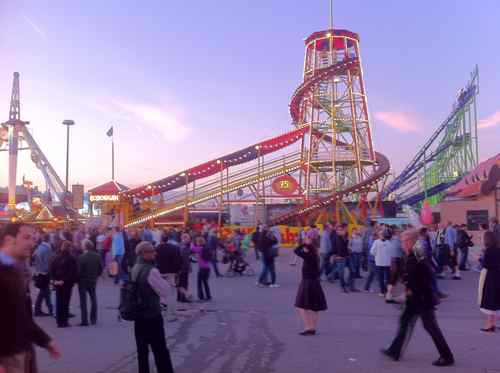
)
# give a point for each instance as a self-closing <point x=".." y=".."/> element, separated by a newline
<point x="449" y="154"/>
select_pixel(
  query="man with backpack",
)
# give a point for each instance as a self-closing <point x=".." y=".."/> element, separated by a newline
<point x="142" y="305"/>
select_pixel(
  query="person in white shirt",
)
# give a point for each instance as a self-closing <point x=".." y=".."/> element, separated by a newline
<point x="383" y="251"/>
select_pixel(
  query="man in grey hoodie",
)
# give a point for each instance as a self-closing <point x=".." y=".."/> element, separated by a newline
<point x="42" y="257"/>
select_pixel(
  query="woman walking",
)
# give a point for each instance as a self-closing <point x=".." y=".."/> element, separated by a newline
<point x="204" y="259"/>
<point x="310" y="297"/>
<point x="64" y="274"/>
<point x="182" y="289"/>
<point x="489" y="282"/>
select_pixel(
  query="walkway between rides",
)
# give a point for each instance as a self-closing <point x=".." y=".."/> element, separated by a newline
<point x="255" y="330"/>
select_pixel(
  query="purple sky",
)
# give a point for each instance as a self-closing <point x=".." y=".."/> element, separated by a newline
<point x="183" y="84"/>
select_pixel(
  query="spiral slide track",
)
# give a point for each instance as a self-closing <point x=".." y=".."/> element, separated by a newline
<point x="294" y="163"/>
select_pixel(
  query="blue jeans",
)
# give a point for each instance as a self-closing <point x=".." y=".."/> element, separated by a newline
<point x="267" y="268"/>
<point x="325" y="266"/>
<point x="383" y="277"/>
<point x="355" y="259"/>
<point x="121" y="273"/>
<point x="340" y="266"/>
<point x="372" y="270"/>
<point x="464" y="258"/>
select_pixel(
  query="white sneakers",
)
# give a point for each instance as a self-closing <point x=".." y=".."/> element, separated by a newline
<point x="258" y="284"/>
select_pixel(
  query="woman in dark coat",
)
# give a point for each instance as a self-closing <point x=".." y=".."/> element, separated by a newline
<point x="64" y="274"/>
<point x="489" y="282"/>
<point x="310" y="297"/>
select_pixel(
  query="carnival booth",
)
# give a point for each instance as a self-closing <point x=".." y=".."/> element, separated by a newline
<point x="107" y="201"/>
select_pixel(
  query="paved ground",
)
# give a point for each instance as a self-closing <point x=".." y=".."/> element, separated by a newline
<point x="248" y="329"/>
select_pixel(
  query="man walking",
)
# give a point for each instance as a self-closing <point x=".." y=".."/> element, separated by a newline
<point x="450" y="237"/>
<point x="118" y="251"/>
<point x="169" y="263"/>
<point x="89" y="269"/>
<point x="256" y="240"/>
<point x="464" y="242"/>
<point x="213" y="244"/>
<point x="149" y="329"/>
<point x="420" y="302"/>
<point x="340" y="251"/>
<point x="267" y="241"/>
<point x="43" y="256"/>
<point x="18" y="329"/>
<point x="325" y="250"/>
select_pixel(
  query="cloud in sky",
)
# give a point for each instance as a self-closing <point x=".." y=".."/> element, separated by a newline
<point x="400" y="121"/>
<point x="36" y="28"/>
<point x="490" y="121"/>
<point x="166" y="122"/>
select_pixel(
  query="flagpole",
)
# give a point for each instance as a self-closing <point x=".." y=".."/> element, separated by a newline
<point x="113" y="156"/>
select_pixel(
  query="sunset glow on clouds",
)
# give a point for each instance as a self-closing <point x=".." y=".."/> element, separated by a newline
<point x="400" y="121"/>
<point x="490" y="121"/>
<point x="158" y="119"/>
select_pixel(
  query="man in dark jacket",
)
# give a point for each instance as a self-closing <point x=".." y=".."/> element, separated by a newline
<point x="169" y="263"/>
<point x="18" y="329"/>
<point x="420" y="302"/>
<point x="266" y="243"/>
<point x="464" y="241"/>
<point x="149" y="329"/>
<point x="256" y="240"/>
<point x="213" y="245"/>
<point x="89" y="269"/>
<point x="340" y="252"/>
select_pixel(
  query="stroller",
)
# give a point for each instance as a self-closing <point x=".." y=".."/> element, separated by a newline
<point x="237" y="263"/>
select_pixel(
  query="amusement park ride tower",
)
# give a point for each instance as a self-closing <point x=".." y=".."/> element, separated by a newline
<point x="332" y="103"/>
<point x="14" y="136"/>
<point x="336" y="160"/>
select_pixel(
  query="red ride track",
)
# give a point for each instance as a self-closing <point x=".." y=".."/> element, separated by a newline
<point x="269" y="146"/>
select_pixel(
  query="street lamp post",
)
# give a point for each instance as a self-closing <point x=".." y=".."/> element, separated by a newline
<point x="68" y="123"/>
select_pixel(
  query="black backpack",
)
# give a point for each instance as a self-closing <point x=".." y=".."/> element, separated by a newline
<point x="206" y="254"/>
<point x="132" y="305"/>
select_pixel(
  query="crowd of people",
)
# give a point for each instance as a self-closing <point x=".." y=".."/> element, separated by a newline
<point x="160" y="263"/>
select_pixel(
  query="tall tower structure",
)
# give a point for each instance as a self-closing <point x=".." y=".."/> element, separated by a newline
<point x="15" y="126"/>
<point x="332" y="103"/>
<point x="19" y="138"/>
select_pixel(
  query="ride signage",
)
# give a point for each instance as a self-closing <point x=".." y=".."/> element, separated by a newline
<point x="285" y="185"/>
<point x="105" y="198"/>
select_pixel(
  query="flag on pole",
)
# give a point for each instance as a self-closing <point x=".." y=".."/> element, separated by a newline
<point x="110" y="132"/>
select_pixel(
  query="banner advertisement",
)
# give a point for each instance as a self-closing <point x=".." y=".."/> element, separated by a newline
<point x="242" y="214"/>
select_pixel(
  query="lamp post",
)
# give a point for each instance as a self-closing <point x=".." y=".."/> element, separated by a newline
<point x="68" y="123"/>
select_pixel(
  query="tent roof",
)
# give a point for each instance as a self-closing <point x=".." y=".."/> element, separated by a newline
<point x="109" y="188"/>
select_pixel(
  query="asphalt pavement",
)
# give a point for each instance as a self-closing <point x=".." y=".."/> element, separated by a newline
<point x="247" y="329"/>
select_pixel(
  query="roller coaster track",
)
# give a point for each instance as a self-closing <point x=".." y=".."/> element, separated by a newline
<point x="291" y="163"/>
<point x="448" y="154"/>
